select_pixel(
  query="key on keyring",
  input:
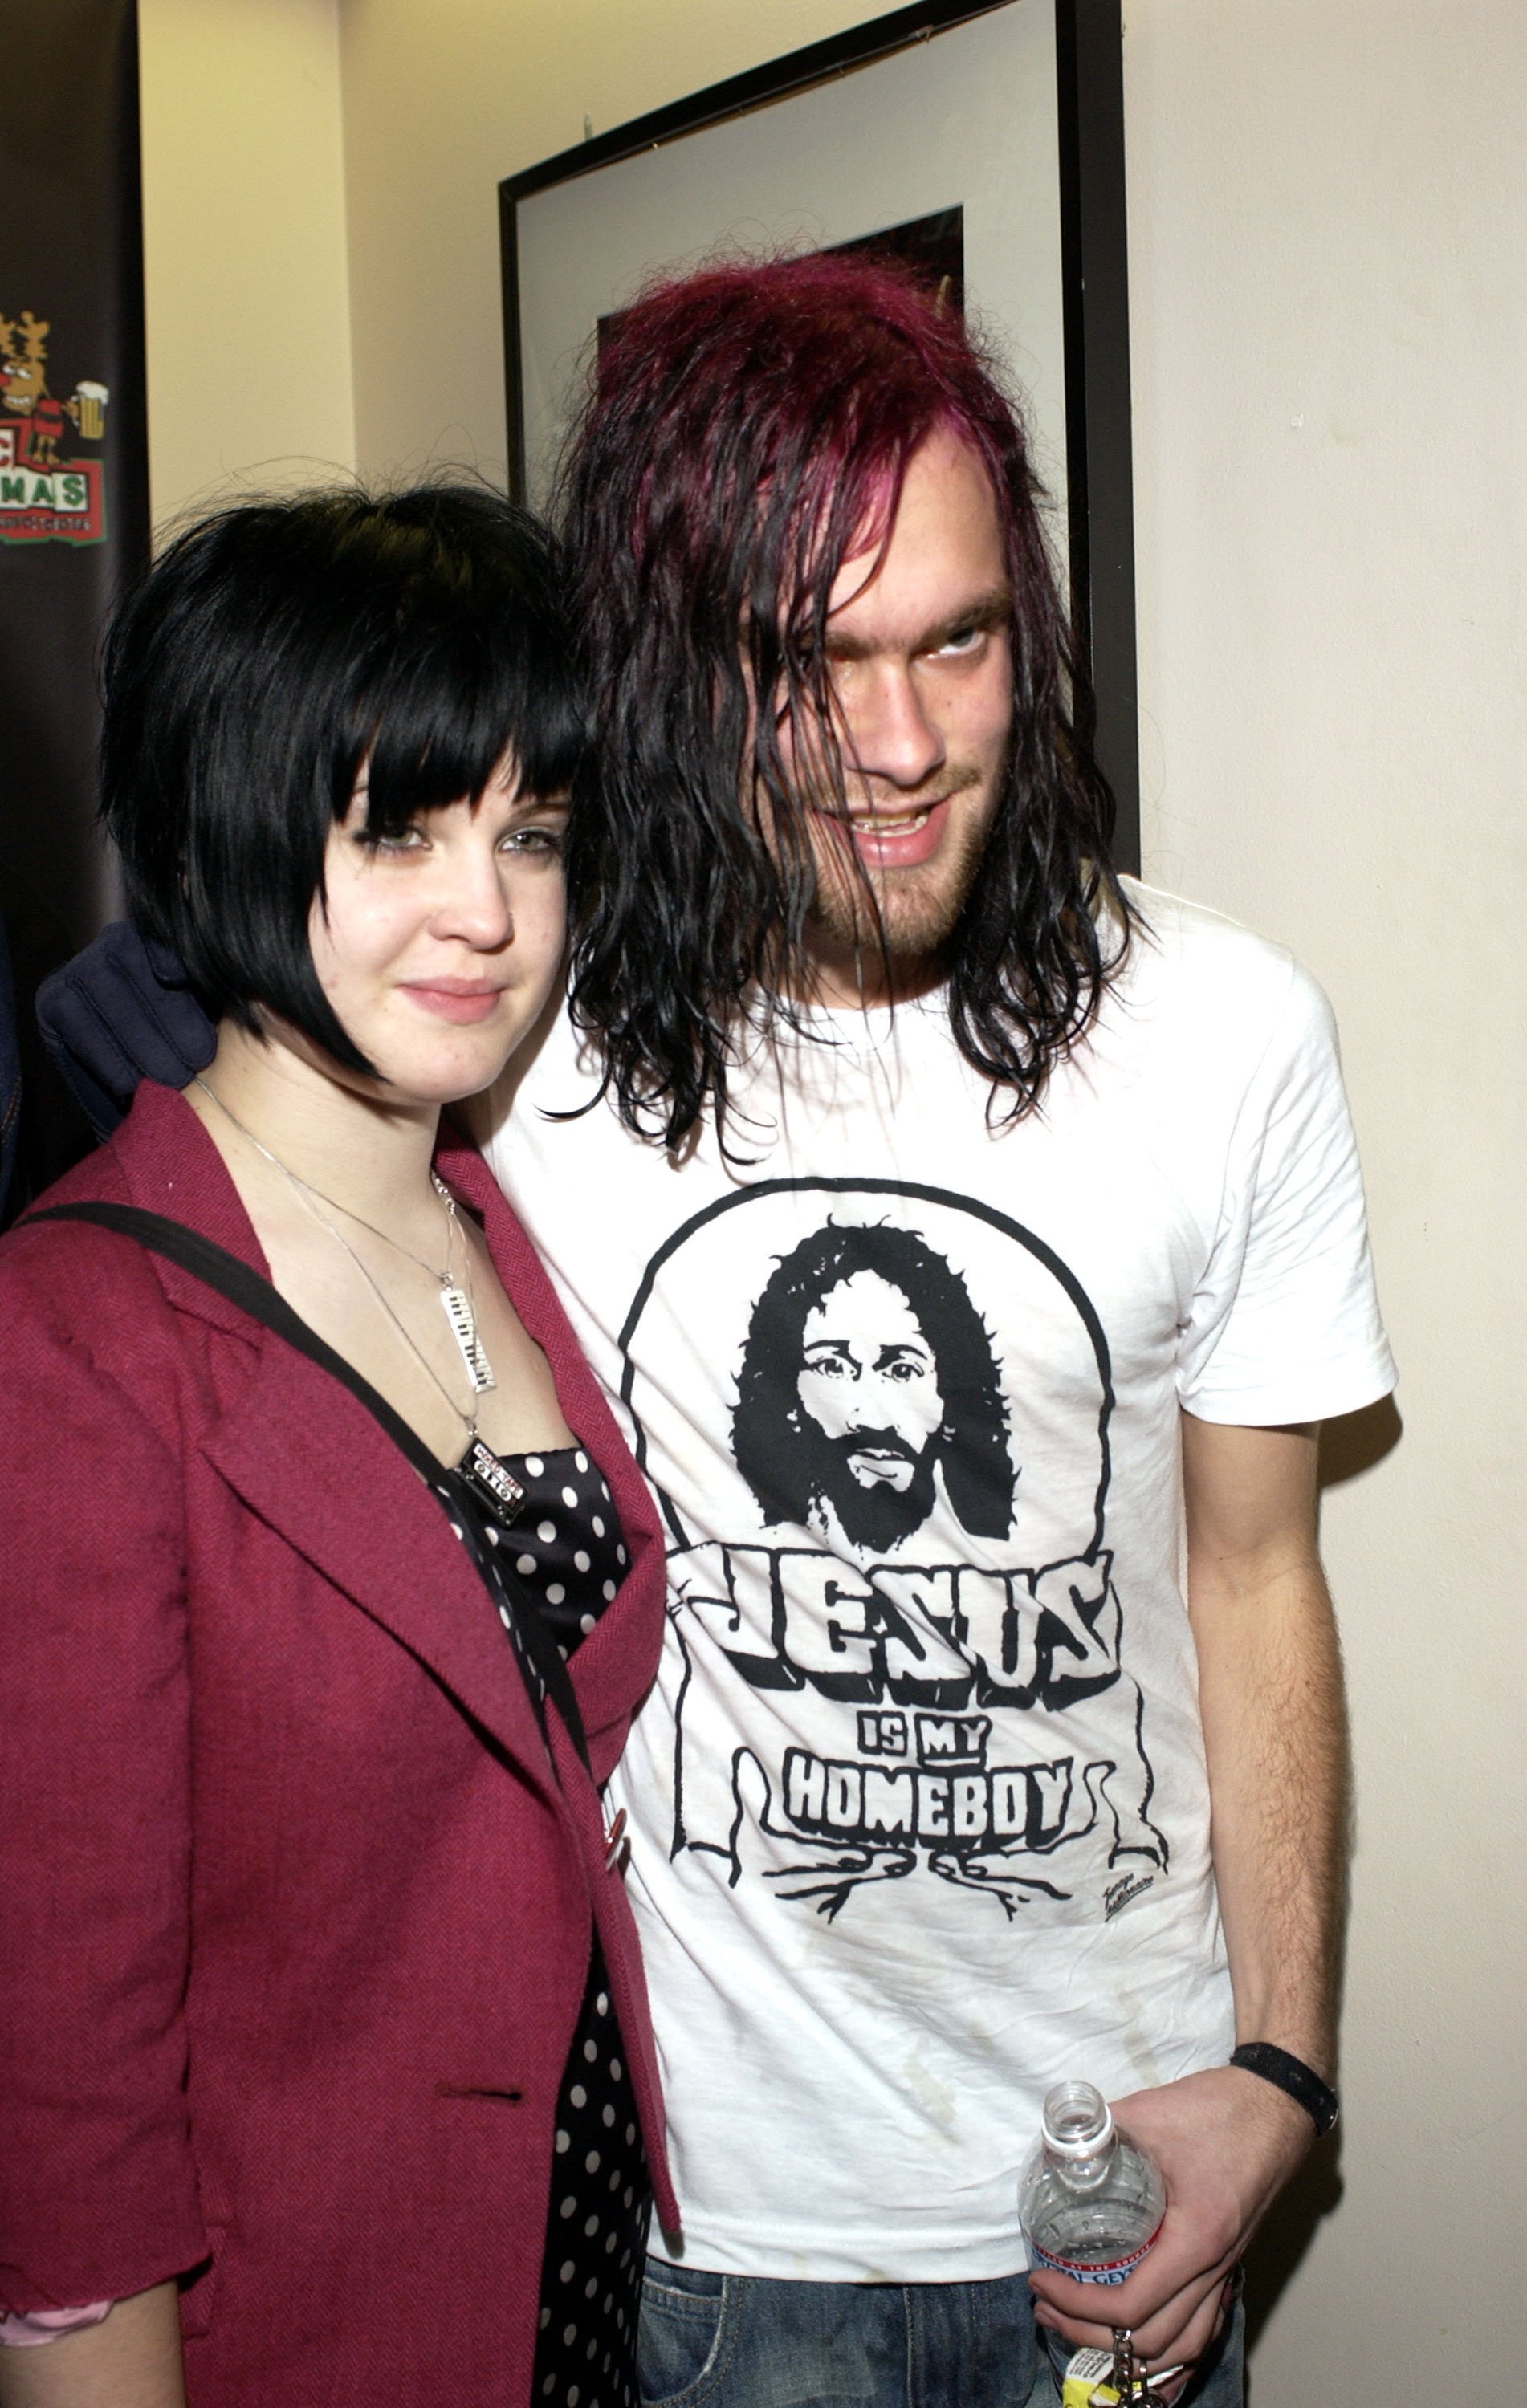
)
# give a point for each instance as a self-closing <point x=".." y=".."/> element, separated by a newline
<point x="1126" y="2382"/>
<point x="1129" y="2377"/>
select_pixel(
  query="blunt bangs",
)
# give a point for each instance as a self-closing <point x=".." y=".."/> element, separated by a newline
<point x="272" y="654"/>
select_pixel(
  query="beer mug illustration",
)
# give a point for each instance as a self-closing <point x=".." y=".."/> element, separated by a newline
<point x="90" y="412"/>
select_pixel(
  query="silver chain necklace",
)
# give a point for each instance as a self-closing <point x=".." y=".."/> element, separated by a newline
<point x="479" y="1466"/>
<point x="459" y="1303"/>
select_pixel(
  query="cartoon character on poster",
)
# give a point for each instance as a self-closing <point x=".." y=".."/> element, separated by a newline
<point x="44" y="498"/>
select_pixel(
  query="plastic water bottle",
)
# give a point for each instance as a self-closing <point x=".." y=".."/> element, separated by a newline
<point x="1089" y="2199"/>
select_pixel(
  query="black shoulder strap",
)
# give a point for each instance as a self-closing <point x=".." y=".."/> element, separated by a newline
<point x="214" y="1264"/>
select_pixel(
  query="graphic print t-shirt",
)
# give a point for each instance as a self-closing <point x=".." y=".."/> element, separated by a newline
<point x="919" y="1815"/>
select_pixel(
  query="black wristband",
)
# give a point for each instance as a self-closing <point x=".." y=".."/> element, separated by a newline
<point x="1290" y="2074"/>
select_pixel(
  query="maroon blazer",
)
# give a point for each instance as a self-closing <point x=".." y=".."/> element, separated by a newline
<point x="294" y="1908"/>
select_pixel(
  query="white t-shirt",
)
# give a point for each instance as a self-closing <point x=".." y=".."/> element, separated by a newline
<point x="918" y="1809"/>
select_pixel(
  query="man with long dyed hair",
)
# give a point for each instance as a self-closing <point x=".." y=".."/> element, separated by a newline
<point x="849" y="916"/>
<point x="749" y="437"/>
<point x="1053" y="1790"/>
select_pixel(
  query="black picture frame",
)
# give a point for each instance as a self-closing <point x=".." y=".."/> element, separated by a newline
<point x="1100" y="499"/>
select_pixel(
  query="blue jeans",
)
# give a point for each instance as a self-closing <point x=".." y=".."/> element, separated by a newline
<point x="741" y="2341"/>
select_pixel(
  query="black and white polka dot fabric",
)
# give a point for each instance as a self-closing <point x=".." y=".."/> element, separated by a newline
<point x="565" y="1542"/>
<point x="565" y="1547"/>
<point x="596" y="2234"/>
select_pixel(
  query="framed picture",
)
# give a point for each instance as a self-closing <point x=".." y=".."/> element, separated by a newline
<point x="984" y="143"/>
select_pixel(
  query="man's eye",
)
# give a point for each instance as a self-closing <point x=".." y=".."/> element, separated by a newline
<point x="964" y="639"/>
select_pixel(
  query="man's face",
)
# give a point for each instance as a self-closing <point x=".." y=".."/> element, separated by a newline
<point x="921" y="669"/>
<point x="869" y="1384"/>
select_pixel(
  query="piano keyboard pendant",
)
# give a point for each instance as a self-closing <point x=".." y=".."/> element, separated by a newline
<point x="458" y="1312"/>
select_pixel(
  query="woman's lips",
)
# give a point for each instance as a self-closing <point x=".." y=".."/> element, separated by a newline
<point x="465" y="1005"/>
<point x="895" y="840"/>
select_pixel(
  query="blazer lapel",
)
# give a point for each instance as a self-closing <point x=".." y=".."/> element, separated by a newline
<point x="312" y="1463"/>
<point x="307" y="1457"/>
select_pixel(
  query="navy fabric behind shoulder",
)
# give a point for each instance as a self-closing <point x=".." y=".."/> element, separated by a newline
<point x="118" y="1013"/>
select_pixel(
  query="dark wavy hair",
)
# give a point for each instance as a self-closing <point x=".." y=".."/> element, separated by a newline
<point x="776" y="1457"/>
<point x="748" y="431"/>
<point x="273" y="649"/>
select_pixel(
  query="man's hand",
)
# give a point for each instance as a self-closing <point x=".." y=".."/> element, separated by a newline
<point x="1226" y="2142"/>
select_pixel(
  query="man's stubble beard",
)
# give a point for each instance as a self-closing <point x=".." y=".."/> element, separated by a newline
<point x="902" y="916"/>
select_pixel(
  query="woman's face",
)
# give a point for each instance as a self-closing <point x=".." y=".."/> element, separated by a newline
<point x="437" y="948"/>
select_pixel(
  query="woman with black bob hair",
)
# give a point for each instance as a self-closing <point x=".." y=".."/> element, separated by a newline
<point x="331" y="1586"/>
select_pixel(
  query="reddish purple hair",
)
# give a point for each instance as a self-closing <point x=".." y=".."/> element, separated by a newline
<point x="748" y="431"/>
<point x="731" y="385"/>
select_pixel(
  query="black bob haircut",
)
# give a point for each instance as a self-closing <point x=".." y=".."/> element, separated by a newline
<point x="272" y="651"/>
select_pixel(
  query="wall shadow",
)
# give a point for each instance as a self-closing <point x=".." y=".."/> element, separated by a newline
<point x="1285" y="2234"/>
<point x="1356" y="1442"/>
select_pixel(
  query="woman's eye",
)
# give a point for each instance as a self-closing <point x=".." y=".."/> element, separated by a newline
<point x="543" y="844"/>
<point x="408" y="839"/>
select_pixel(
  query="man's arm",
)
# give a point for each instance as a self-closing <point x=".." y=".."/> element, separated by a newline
<point x="1274" y="1735"/>
<point x="1275" y="1727"/>
<point x="131" y="2360"/>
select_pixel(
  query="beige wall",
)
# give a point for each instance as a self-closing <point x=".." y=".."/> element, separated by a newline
<point x="1327" y="247"/>
<point x="1328" y="289"/>
<point x="442" y="101"/>
<point x="245" y="268"/>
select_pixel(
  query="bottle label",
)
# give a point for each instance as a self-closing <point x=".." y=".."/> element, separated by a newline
<point x="1112" y="2270"/>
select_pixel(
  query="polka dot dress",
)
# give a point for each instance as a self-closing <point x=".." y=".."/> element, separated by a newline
<point x="566" y="1541"/>
<point x="565" y="1547"/>
<point x="596" y="2234"/>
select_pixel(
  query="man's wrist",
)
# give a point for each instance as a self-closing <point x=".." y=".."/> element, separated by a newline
<point x="1293" y="2077"/>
